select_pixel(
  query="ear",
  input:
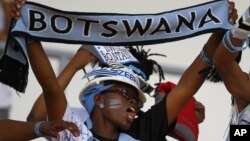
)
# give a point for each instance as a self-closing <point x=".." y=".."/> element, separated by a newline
<point x="98" y="99"/>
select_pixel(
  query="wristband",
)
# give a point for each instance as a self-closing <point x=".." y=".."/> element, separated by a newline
<point x="230" y="46"/>
<point x="37" y="129"/>
<point x="204" y="56"/>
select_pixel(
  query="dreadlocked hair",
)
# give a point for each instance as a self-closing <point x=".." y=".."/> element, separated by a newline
<point x="211" y="74"/>
<point x="145" y="64"/>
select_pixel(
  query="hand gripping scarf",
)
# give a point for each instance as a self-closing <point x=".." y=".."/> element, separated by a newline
<point x="40" y="22"/>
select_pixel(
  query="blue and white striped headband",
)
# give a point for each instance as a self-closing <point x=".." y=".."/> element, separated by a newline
<point x="100" y="75"/>
<point x="87" y="97"/>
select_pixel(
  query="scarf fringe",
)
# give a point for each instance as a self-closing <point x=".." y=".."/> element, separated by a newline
<point x="13" y="73"/>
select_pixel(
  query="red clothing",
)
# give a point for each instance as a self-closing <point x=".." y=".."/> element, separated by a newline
<point x="187" y="123"/>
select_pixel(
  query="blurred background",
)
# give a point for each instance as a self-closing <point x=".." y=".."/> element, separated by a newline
<point x="179" y="54"/>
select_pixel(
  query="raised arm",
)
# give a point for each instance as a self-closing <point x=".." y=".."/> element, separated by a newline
<point x="53" y="94"/>
<point x="78" y="62"/>
<point x="54" y="97"/>
<point x="191" y="80"/>
<point x="235" y="79"/>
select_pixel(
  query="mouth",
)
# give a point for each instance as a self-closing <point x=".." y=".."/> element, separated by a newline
<point x="131" y="113"/>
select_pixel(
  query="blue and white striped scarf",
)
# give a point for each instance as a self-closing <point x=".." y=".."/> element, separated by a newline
<point x="49" y="24"/>
<point x="40" y="22"/>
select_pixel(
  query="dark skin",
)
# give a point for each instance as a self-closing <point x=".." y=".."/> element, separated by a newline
<point x="56" y="102"/>
<point x="199" y="111"/>
<point x="53" y="94"/>
<point x="81" y="59"/>
<point x="181" y="94"/>
<point x="47" y="79"/>
<point x="235" y="79"/>
<point x="184" y="90"/>
<point x="24" y="131"/>
<point x="6" y="5"/>
<point x="116" y="116"/>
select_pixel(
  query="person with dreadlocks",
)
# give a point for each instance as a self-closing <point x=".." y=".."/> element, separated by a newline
<point x="139" y="126"/>
<point x="112" y="101"/>
<point x="147" y="76"/>
<point x="193" y="112"/>
<point x="145" y="64"/>
<point x="162" y="115"/>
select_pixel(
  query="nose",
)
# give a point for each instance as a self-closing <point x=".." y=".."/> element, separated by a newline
<point x="132" y="102"/>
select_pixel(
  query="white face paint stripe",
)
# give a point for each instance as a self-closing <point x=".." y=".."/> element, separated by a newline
<point x="114" y="103"/>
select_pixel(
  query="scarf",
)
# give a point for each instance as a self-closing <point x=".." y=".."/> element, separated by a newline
<point x="40" y="22"/>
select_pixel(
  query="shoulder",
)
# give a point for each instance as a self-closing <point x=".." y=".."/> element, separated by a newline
<point x="76" y="114"/>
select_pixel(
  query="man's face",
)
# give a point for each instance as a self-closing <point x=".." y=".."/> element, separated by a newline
<point x="121" y="104"/>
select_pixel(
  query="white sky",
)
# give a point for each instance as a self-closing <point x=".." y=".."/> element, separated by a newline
<point x="181" y="53"/>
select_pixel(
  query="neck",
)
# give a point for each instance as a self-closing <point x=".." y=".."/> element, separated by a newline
<point x="102" y="126"/>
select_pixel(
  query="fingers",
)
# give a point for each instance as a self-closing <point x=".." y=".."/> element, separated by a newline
<point x="62" y="125"/>
<point x="15" y="13"/>
<point x="73" y="129"/>
<point x="231" y="7"/>
<point x="199" y="111"/>
<point x="199" y="106"/>
<point x="81" y="59"/>
<point x="15" y="8"/>
<point x="22" y="1"/>
<point x="52" y="128"/>
<point x="232" y="12"/>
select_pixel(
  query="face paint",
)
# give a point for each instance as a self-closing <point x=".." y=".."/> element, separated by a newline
<point x="114" y="103"/>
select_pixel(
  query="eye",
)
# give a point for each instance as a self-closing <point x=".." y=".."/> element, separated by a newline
<point x="130" y="95"/>
<point x="124" y="92"/>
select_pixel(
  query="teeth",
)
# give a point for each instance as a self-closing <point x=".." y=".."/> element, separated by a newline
<point x="131" y="109"/>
